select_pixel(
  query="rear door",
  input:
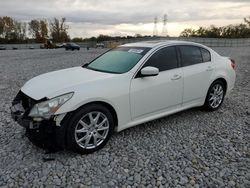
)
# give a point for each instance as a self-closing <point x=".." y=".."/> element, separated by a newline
<point x="197" y="71"/>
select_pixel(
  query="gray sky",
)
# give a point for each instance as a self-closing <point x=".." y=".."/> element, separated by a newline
<point x="91" y="17"/>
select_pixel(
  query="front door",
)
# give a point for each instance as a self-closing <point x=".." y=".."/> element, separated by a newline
<point x="156" y="93"/>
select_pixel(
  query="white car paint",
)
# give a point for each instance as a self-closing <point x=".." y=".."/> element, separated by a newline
<point x="135" y="100"/>
<point x="149" y="94"/>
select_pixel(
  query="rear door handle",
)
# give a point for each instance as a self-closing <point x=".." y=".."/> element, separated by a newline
<point x="209" y="68"/>
<point x="176" y="77"/>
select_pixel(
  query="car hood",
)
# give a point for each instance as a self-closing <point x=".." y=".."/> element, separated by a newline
<point x="59" y="82"/>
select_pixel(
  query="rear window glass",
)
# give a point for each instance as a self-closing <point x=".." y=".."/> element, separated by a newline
<point x="190" y="55"/>
<point x="206" y="56"/>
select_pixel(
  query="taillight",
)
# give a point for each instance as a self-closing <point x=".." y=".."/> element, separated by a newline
<point x="233" y="64"/>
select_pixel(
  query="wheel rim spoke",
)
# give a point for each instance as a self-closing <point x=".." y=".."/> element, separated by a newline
<point x="95" y="139"/>
<point x="83" y="130"/>
<point x="83" y="124"/>
<point x="87" y="140"/>
<point x="97" y="117"/>
<point x="99" y="136"/>
<point x="81" y="139"/>
<point x="101" y="128"/>
<point x="212" y="104"/>
<point x="211" y="98"/>
<point x="101" y="124"/>
<point x="219" y="90"/>
<point x="91" y="118"/>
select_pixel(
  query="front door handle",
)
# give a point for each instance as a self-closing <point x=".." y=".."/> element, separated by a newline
<point x="209" y="68"/>
<point x="176" y="77"/>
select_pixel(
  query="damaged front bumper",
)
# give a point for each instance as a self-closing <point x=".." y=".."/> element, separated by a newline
<point x="19" y="115"/>
<point x="20" y="109"/>
<point x="44" y="133"/>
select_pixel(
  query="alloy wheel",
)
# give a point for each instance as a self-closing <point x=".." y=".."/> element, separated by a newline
<point x="91" y="130"/>
<point x="216" y="95"/>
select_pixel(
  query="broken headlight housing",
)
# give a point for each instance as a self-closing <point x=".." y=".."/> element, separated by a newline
<point x="48" y="108"/>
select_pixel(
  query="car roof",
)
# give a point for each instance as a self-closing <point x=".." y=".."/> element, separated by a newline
<point x="158" y="43"/>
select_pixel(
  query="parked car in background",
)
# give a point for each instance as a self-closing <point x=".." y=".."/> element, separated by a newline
<point x="124" y="87"/>
<point x="99" y="45"/>
<point x="60" y="45"/>
<point x="2" y="48"/>
<point x="72" y="46"/>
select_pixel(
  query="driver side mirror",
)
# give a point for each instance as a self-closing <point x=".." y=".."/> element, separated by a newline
<point x="149" y="71"/>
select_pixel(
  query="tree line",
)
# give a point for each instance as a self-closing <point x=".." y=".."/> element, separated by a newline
<point x="39" y="30"/>
<point x="14" y="31"/>
<point x="102" y="38"/>
<point x="241" y="30"/>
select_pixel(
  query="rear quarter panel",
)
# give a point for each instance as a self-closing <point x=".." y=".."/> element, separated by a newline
<point x="224" y="70"/>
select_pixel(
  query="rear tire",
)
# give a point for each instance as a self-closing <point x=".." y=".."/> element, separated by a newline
<point x="89" y="129"/>
<point x="215" y="96"/>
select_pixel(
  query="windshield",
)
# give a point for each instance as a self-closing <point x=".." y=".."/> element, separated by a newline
<point x="118" y="60"/>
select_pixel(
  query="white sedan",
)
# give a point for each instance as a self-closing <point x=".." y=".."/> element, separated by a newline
<point x="124" y="87"/>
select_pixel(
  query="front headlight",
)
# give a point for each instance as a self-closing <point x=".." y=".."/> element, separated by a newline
<point x="48" y="108"/>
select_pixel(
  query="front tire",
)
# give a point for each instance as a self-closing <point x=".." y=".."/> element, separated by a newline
<point x="89" y="129"/>
<point x="215" y="96"/>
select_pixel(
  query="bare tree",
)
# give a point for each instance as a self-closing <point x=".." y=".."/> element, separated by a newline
<point x="59" y="30"/>
<point x="43" y="29"/>
<point x="39" y="29"/>
<point x="12" y="30"/>
<point x="247" y="21"/>
<point x="1" y="26"/>
<point x="34" y="28"/>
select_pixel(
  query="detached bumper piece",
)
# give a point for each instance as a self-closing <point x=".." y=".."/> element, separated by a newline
<point x="42" y="133"/>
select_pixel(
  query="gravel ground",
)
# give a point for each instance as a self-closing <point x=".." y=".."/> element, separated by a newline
<point x="189" y="149"/>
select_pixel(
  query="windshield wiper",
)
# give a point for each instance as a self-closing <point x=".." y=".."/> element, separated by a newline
<point x="90" y="68"/>
<point x="85" y="65"/>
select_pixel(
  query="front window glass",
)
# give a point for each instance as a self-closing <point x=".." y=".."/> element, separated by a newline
<point x="163" y="59"/>
<point x="118" y="60"/>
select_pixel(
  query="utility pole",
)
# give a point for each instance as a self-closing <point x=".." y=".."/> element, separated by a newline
<point x="155" y="32"/>
<point x="164" y="28"/>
